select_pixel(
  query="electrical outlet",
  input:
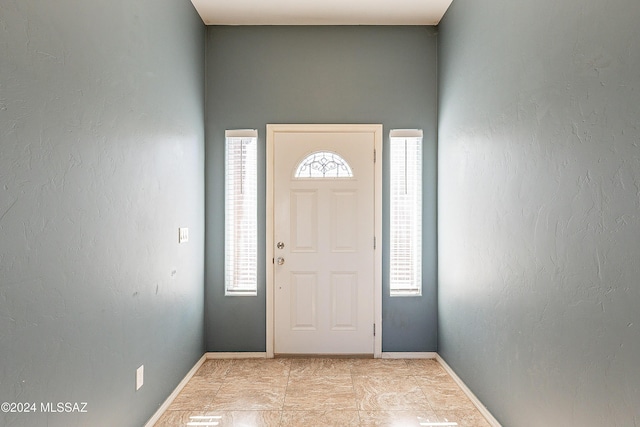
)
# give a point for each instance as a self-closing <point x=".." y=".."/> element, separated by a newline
<point x="183" y="235"/>
<point x="139" y="377"/>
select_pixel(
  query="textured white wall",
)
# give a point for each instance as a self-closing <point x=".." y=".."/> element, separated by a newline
<point x="539" y="208"/>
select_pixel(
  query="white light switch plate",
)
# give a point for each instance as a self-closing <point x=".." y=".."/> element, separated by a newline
<point x="183" y="235"/>
<point x="139" y="377"/>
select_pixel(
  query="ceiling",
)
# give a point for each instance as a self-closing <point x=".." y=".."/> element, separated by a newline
<point x="321" y="12"/>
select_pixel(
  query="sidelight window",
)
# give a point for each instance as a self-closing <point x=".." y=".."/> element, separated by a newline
<point x="241" y="216"/>
<point x="406" y="212"/>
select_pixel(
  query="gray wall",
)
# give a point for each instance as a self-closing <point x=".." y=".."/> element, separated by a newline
<point x="101" y="160"/>
<point x="260" y="75"/>
<point x="539" y="208"/>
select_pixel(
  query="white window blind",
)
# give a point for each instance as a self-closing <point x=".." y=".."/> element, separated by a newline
<point x="241" y="216"/>
<point x="406" y="213"/>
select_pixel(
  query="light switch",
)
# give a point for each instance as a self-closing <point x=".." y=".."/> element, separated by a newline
<point x="139" y="377"/>
<point x="183" y="235"/>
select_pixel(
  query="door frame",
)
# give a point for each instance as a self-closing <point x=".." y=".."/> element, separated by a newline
<point x="376" y="130"/>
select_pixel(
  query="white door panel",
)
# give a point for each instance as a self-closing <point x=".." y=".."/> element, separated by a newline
<point x="303" y="292"/>
<point x="344" y="301"/>
<point x="304" y="221"/>
<point x="324" y="287"/>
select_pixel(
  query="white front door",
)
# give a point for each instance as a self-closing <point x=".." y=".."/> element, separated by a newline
<point x="324" y="227"/>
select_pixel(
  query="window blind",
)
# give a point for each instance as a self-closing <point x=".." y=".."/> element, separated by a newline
<point x="241" y="228"/>
<point x="406" y="213"/>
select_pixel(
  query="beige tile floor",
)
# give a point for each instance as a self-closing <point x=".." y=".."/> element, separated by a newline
<point x="321" y="392"/>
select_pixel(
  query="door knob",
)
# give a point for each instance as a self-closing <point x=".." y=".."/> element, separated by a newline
<point x="280" y="260"/>
<point x="280" y="245"/>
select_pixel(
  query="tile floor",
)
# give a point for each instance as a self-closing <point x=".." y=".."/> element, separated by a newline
<point x="321" y="392"/>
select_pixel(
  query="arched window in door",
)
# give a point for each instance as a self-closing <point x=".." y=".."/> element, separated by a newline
<point x="323" y="164"/>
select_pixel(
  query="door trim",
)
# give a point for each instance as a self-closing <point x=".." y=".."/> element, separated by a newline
<point x="376" y="130"/>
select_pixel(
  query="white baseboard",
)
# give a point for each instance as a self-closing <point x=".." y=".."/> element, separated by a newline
<point x="235" y="355"/>
<point x="161" y="410"/>
<point x="483" y="410"/>
<point x="408" y="355"/>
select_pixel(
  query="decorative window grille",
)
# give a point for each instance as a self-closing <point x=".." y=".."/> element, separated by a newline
<point x="323" y="164"/>
<point x="241" y="216"/>
<point x="406" y="213"/>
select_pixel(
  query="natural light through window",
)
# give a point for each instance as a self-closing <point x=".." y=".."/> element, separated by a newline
<point x="406" y="212"/>
<point x="241" y="221"/>
<point x="323" y="164"/>
<point x="204" y="420"/>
